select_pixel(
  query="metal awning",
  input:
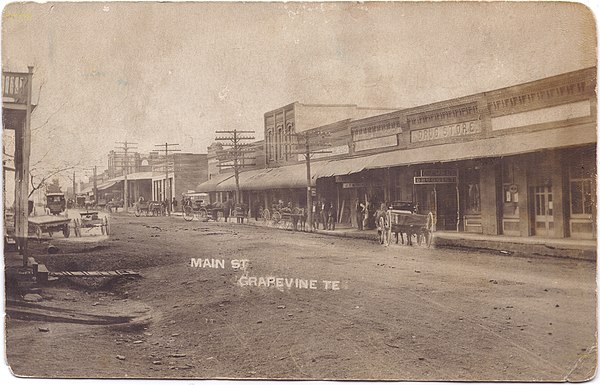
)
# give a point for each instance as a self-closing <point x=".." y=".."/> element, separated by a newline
<point x="246" y="179"/>
<point x="294" y="176"/>
<point x="211" y="184"/>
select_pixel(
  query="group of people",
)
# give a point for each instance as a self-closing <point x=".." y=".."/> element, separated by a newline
<point x="324" y="213"/>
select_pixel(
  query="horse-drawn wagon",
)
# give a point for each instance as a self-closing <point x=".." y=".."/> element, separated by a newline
<point x="89" y="220"/>
<point x="50" y="224"/>
<point x="401" y="218"/>
<point x="196" y="205"/>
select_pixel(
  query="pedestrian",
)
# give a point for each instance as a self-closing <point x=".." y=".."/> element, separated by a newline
<point x="174" y="203"/>
<point x="366" y="216"/>
<point x="324" y="214"/>
<point x="227" y="209"/>
<point x="256" y="207"/>
<point x="360" y="215"/>
<point x="332" y="217"/>
<point x="316" y="211"/>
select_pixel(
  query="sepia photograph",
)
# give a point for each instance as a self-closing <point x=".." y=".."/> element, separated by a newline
<point x="366" y="191"/>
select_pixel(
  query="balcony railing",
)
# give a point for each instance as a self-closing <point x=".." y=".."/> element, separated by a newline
<point x="14" y="86"/>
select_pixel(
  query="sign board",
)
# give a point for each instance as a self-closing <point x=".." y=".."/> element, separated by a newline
<point x="444" y="132"/>
<point x="369" y="144"/>
<point x="353" y="185"/>
<point x="434" y="179"/>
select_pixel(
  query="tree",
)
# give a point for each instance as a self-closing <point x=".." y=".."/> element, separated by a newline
<point x="54" y="187"/>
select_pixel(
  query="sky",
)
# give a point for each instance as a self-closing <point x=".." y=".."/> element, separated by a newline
<point x="152" y="73"/>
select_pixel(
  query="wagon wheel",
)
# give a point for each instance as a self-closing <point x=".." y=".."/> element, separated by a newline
<point x="266" y="215"/>
<point x="77" y="228"/>
<point x="276" y="217"/>
<point x="203" y="213"/>
<point x="188" y="214"/>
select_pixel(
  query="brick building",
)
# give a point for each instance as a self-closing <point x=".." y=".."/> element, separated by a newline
<point x="518" y="161"/>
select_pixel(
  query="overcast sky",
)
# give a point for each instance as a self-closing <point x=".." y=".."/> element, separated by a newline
<point x="150" y="72"/>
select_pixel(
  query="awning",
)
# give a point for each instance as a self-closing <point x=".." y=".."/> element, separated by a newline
<point x="294" y="176"/>
<point x="211" y="184"/>
<point x="245" y="178"/>
<point x="107" y="185"/>
<point x="135" y="176"/>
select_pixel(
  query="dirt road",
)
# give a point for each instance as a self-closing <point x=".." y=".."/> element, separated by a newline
<point x="384" y="313"/>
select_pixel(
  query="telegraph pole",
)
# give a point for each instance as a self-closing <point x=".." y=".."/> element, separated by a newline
<point x="126" y="146"/>
<point x="168" y="185"/>
<point x="236" y="143"/>
<point x="307" y="152"/>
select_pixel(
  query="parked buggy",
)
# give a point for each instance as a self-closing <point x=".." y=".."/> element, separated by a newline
<point x="196" y="205"/>
<point x="402" y="219"/>
<point x="90" y="220"/>
<point x="56" y="203"/>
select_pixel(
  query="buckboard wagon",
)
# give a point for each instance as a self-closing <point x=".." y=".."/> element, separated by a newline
<point x="50" y="224"/>
<point x="399" y="222"/>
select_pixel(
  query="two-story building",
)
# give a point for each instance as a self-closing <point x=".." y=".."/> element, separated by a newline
<point x="518" y="161"/>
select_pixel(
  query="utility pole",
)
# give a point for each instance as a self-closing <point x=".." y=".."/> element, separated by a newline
<point x="95" y="183"/>
<point x="126" y="146"/>
<point x="234" y="156"/>
<point x="168" y="185"/>
<point x="307" y="152"/>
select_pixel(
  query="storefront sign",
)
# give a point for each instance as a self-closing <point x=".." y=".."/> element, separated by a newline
<point x="434" y="179"/>
<point x="384" y="141"/>
<point x="443" y="132"/>
<point x="353" y="185"/>
<point x="331" y="151"/>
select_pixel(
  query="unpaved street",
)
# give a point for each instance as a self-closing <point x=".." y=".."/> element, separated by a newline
<point x="400" y="312"/>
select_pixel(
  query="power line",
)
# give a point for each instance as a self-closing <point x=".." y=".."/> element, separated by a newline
<point x="126" y="146"/>
<point x="168" y="186"/>
<point x="234" y="154"/>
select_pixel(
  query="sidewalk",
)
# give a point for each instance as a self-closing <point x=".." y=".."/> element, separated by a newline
<point x="559" y="247"/>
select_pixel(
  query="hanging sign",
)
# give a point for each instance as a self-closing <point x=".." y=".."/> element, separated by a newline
<point x="435" y="179"/>
<point x="353" y="185"/>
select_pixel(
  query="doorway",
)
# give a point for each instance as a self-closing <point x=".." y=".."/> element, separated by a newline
<point x="543" y="218"/>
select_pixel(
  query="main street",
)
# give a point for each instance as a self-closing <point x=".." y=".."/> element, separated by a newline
<point x="405" y="313"/>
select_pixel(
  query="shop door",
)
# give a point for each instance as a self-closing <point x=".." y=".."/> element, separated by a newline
<point x="543" y="219"/>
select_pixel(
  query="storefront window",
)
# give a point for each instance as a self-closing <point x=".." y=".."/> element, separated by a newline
<point x="473" y="200"/>
<point x="581" y="196"/>
<point x="582" y="183"/>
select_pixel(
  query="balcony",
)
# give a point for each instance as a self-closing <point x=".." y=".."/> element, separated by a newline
<point x="14" y="87"/>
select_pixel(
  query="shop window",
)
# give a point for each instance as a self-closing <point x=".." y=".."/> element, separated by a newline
<point x="582" y="197"/>
<point x="470" y="179"/>
<point x="582" y="183"/>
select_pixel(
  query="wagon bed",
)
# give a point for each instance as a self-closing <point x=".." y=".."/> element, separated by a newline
<point x="50" y="224"/>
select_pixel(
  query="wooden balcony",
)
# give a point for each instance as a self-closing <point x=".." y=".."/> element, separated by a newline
<point x="14" y="98"/>
<point x="14" y="87"/>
